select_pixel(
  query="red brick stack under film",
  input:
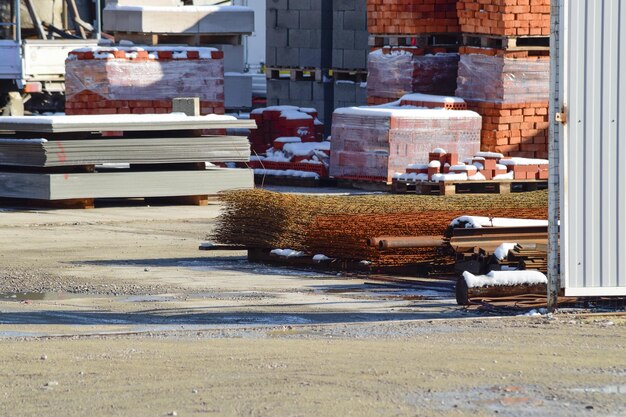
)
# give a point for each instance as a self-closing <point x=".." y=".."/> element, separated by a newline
<point x="143" y="80"/>
<point x="504" y="72"/>
<point x="420" y="37"/>
<point x="284" y="122"/>
<point x="373" y="143"/>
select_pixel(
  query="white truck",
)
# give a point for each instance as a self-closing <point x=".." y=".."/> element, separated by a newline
<point x="32" y="59"/>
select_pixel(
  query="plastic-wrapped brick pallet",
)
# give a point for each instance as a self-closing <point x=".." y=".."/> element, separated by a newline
<point x="510" y="90"/>
<point x="137" y="80"/>
<point x="394" y="72"/>
<point x="373" y="143"/>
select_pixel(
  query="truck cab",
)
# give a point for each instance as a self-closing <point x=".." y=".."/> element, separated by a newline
<point x="33" y="51"/>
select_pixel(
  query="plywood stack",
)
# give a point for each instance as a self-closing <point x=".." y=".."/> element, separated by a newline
<point x="63" y="159"/>
<point x="373" y="143"/>
<point x="421" y="40"/>
<point x="504" y="72"/>
<point x="143" y="80"/>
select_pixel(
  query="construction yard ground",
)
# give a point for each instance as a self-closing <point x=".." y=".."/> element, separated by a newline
<point x="115" y="312"/>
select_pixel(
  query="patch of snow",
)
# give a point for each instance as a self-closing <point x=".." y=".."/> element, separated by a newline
<point x="439" y="151"/>
<point x="287" y="253"/>
<point x="504" y="278"/>
<point x="320" y="258"/>
<point x="508" y="176"/>
<point x="491" y="155"/>
<point x="476" y="222"/>
<point x="502" y="251"/>
<point x="306" y="148"/>
<point x="535" y="312"/>
<point x="449" y="177"/>
<point x="523" y="161"/>
<point x="477" y="177"/>
<point x="286" y="173"/>
<point x="417" y="166"/>
<point x="434" y="164"/>
<point x="288" y="139"/>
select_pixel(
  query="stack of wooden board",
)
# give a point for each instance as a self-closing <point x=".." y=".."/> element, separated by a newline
<point x="61" y="157"/>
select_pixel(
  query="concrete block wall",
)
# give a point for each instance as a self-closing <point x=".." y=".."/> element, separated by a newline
<point x="312" y="94"/>
<point x="350" y="36"/>
<point x="349" y="94"/>
<point x="299" y="33"/>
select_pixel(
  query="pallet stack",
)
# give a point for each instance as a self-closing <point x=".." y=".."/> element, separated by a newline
<point x="143" y="80"/>
<point x="373" y="143"/>
<point x="504" y="72"/>
<point x="419" y="40"/>
<point x="65" y="161"/>
<point x="316" y="54"/>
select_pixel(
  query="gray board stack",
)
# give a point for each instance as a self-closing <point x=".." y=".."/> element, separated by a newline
<point x="64" y="158"/>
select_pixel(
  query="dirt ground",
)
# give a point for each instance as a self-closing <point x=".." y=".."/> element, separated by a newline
<point x="115" y="311"/>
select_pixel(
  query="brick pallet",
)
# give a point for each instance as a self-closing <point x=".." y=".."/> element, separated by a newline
<point x="140" y="81"/>
<point x="412" y="16"/>
<point x="374" y="143"/>
<point x="505" y="17"/>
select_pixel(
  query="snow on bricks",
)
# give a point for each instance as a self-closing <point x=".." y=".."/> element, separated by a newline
<point x="284" y="122"/>
<point x="143" y="80"/>
<point x="505" y="17"/>
<point x="412" y="16"/>
<point x="394" y="72"/>
<point x="373" y="143"/>
<point x="444" y="166"/>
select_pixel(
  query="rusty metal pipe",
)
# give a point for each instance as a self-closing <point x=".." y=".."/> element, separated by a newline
<point x="375" y="241"/>
<point x="410" y="242"/>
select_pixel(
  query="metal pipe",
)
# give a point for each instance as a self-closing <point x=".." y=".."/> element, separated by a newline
<point x="97" y="32"/>
<point x="374" y="241"/>
<point x="555" y="133"/>
<point x="411" y="242"/>
<point x="18" y="22"/>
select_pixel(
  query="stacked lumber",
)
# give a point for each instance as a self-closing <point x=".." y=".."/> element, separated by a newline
<point x="373" y="143"/>
<point x="284" y="122"/>
<point x="396" y="71"/>
<point x="143" y="80"/>
<point x="505" y="17"/>
<point x="412" y="16"/>
<point x="63" y="159"/>
<point x="339" y="226"/>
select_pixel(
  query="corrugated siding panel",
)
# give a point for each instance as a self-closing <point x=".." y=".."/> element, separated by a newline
<point x="593" y="155"/>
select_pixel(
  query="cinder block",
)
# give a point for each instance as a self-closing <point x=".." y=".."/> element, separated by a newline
<point x="338" y="58"/>
<point x="354" y="20"/>
<point x="338" y="21"/>
<point x="289" y="19"/>
<point x="270" y="56"/>
<point x="345" y="4"/>
<point x="310" y="20"/>
<point x="300" y="4"/>
<point x="344" y="39"/>
<point x="278" y="4"/>
<point x="361" y="95"/>
<point x="288" y="57"/>
<point x="319" y="92"/>
<point x="355" y="59"/>
<point x="278" y="89"/>
<point x="188" y="105"/>
<point x="301" y="90"/>
<point x="345" y="91"/>
<point x="361" y="40"/>
<point x="310" y="57"/>
<point x="299" y="38"/>
<point x="277" y="37"/>
<point x="271" y="18"/>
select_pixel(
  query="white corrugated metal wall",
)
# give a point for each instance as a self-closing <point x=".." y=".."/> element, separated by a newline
<point x="592" y="88"/>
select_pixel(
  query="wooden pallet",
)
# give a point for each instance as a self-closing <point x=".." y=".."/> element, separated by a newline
<point x="356" y="76"/>
<point x="296" y="74"/>
<point x="363" y="184"/>
<point x="445" y="40"/>
<point x="508" y="43"/>
<point x="153" y="39"/>
<point x="478" y="187"/>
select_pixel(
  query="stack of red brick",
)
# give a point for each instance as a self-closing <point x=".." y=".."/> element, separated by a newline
<point x="394" y="72"/>
<point x="389" y="17"/>
<point x="373" y="143"/>
<point x="139" y="81"/>
<point x="510" y="89"/>
<point x="284" y="121"/>
<point x="443" y="166"/>
<point x="505" y="17"/>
